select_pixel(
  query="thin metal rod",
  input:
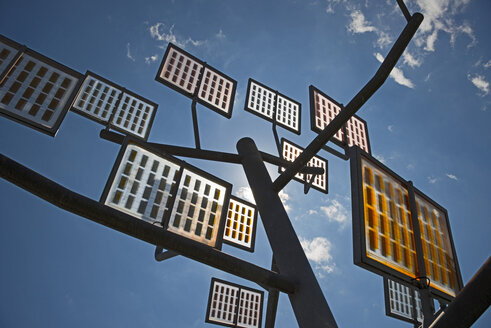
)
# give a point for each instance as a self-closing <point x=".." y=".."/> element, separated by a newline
<point x="73" y="202"/>
<point x="208" y="154"/>
<point x="404" y="10"/>
<point x="195" y="124"/>
<point x="160" y="255"/>
<point x="308" y="302"/>
<point x="335" y="152"/>
<point x="470" y="303"/>
<point x="354" y="105"/>
<point x="423" y="288"/>
<point x="273" y="296"/>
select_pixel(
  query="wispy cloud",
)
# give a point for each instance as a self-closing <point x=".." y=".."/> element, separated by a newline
<point x="487" y="64"/>
<point x="410" y="60"/>
<point x="284" y="199"/>
<point x="318" y="250"/>
<point x="432" y="180"/>
<point x="390" y="128"/>
<point x="220" y="35"/>
<point x="246" y="193"/>
<point x="160" y="33"/>
<point x="335" y="212"/>
<point x="128" y="52"/>
<point x="380" y="158"/>
<point x="397" y="74"/>
<point x="151" y="59"/>
<point x="480" y="82"/>
<point x="359" y="24"/>
<point x="313" y="212"/>
<point x="452" y="176"/>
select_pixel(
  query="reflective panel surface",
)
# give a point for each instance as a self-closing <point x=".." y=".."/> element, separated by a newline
<point x="240" y="227"/>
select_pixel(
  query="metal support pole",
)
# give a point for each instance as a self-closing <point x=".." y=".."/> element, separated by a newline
<point x="195" y="124"/>
<point x="404" y="10"/>
<point x="354" y="105"/>
<point x="336" y="153"/>
<point x="90" y="209"/>
<point x="424" y="288"/>
<point x="273" y="296"/>
<point x="308" y="302"/>
<point x="160" y="255"/>
<point x="470" y="303"/>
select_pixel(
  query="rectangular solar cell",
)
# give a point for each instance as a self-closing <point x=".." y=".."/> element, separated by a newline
<point x="265" y="102"/>
<point x="384" y="239"/>
<point x="240" y="227"/>
<point x="195" y="79"/>
<point x="141" y="183"/>
<point x="234" y="305"/>
<point x="38" y="91"/>
<point x="108" y="103"/>
<point x="323" y="109"/>
<point x="402" y="301"/>
<point x="291" y="151"/>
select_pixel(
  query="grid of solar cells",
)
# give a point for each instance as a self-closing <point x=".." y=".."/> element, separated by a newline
<point x="133" y="115"/>
<point x="223" y="307"/>
<point x="142" y="185"/>
<point x="325" y="111"/>
<point x="239" y="226"/>
<point x="36" y="91"/>
<point x="357" y="134"/>
<point x="400" y="301"/>
<point x="291" y="152"/>
<point x="97" y="99"/>
<point x="388" y="228"/>
<point x="249" y="312"/>
<point x="437" y="251"/>
<point x="197" y="208"/>
<point x="287" y="113"/>
<point x="261" y="100"/>
<point x="181" y="70"/>
<point x="216" y="90"/>
<point x="7" y="53"/>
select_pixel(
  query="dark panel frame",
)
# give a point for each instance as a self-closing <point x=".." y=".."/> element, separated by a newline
<point x="254" y="226"/>
<point x="326" y="191"/>
<point x="170" y="203"/>
<point x="273" y="119"/>
<point x="195" y="96"/>
<point x="388" y="312"/>
<point x="314" y="128"/>
<point x="208" y="307"/>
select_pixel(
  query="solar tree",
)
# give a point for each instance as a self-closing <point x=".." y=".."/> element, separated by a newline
<point x="153" y="195"/>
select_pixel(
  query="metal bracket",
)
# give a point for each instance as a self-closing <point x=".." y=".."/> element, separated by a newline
<point x="160" y="255"/>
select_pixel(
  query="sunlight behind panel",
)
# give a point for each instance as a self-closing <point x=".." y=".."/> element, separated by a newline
<point x="291" y="151"/>
<point x="234" y="305"/>
<point x="240" y="227"/>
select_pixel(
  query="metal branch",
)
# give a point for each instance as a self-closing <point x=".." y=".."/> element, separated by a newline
<point x="354" y="105"/>
<point x="73" y="202"/>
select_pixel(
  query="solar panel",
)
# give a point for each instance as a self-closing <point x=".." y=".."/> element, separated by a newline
<point x="38" y="91"/>
<point x="194" y="78"/>
<point x="400" y="300"/>
<point x="384" y="238"/>
<point x="265" y="102"/>
<point x="167" y="192"/>
<point x="240" y="227"/>
<point x="234" y="305"/>
<point x="291" y="151"/>
<point x="323" y="109"/>
<point x="108" y="103"/>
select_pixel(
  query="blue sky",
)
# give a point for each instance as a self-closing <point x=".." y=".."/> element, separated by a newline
<point x="429" y="123"/>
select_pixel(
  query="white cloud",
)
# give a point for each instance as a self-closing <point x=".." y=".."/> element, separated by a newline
<point x="246" y="193"/>
<point x="390" y="128"/>
<point x="335" y="211"/>
<point x="220" y="35"/>
<point x="480" y="82"/>
<point x="284" y="199"/>
<point x="151" y="59"/>
<point x="312" y="212"/>
<point x="410" y="60"/>
<point x="487" y="65"/>
<point x="381" y="159"/>
<point x="432" y="180"/>
<point x="318" y="250"/>
<point x="383" y="40"/>
<point x="359" y="24"/>
<point x="159" y="33"/>
<point x="397" y="74"/>
<point x="128" y="53"/>
<point x="452" y="176"/>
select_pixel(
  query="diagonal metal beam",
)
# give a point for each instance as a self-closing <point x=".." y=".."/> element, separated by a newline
<point x="73" y="202"/>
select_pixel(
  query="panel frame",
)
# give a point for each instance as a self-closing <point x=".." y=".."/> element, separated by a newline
<point x="273" y="119"/>
<point x="123" y="91"/>
<point x="388" y="311"/>
<point x="326" y="191"/>
<point x="254" y="226"/>
<point x="17" y="46"/>
<point x="65" y="69"/>
<point x="314" y="128"/>
<point x="240" y="287"/>
<point x="173" y="191"/>
<point x="360" y="257"/>
<point x="194" y="96"/>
